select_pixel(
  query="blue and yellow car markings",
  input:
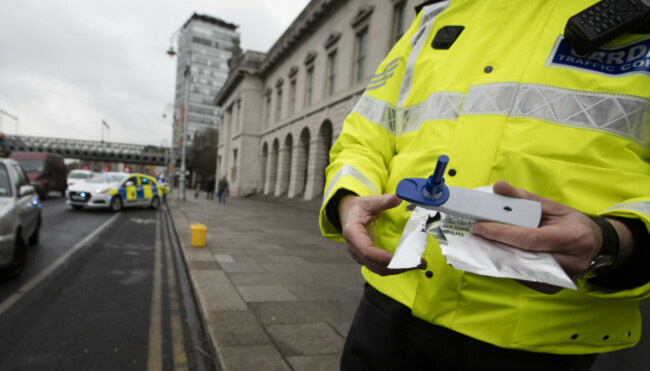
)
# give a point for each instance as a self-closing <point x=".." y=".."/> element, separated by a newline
<point x="139" y="191"/>
<point x="152" y="189"/>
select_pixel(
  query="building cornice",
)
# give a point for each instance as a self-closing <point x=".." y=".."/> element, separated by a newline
<point x="233" y="80"/>
<point x="309" y="19"/>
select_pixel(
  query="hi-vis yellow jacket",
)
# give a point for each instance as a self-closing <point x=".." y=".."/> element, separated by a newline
<point x="509" y="100"/>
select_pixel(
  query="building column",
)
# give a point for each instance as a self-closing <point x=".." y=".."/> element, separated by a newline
<point x="317" y="165"/>
<point x="295" y="178"/>
<point x="262" y="172"/>
<point x="283" y="171"/>
<point x="310" y="186"/>
<point x="271" y="173"/>
<point x="224" y="135"/>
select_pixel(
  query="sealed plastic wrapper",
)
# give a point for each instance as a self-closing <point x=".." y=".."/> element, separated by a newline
<point x="467" y="252"/>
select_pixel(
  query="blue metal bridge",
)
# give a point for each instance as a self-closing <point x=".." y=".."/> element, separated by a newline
<point x="91" y="150"/>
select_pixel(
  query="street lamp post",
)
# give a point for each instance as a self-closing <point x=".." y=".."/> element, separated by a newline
<point x="5" y="113"/>
<point x="163" y="145"/>
<point x="104" y="142"/>
<point x="167" y="162"/>
<point x="171" y="165"/>
<point x="105" y="125"/>
<point x="187" y="74"/>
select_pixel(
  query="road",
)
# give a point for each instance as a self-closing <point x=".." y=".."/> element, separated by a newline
<point x="61" y="230"/>
<point x="99" y="292"/>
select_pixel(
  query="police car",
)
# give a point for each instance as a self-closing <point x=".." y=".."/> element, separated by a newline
<point x="115" y="190"/>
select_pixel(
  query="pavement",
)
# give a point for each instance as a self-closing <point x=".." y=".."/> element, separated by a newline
<point x="273" y="293"/>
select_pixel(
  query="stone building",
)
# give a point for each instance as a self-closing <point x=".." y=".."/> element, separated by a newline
<point x="282" y="110"/>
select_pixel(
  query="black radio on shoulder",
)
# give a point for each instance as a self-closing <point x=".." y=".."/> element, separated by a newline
<point x="446" y="36"/>
<point x="605" y="21"/>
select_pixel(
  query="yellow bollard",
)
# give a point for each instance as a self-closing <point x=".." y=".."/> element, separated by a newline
<point x="198" y="234"/>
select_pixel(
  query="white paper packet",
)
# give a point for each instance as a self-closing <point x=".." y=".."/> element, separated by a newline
<point x="471" y="253"/>
<point x="413" y="242"/>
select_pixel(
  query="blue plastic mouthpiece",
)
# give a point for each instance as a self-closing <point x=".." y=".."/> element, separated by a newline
<point x="426" y="192"/>
<point x="434" y="187"/>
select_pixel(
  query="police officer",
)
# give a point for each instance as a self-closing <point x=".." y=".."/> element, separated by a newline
<point x="496" y="86"/>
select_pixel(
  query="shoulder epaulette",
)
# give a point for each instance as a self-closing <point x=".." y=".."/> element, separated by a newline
<point x="422" y="5"/>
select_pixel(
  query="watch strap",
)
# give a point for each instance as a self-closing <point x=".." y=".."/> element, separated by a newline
<point x="606" y="257"/>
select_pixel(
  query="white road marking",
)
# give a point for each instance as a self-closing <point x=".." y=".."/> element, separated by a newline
<point x="16" y="296"/>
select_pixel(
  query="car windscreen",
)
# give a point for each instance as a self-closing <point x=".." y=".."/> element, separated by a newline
<point x="106" y="178"/>
<point x="78" y="175"/>
<point x="5" y="184"/>
<point x="32" y="166"/>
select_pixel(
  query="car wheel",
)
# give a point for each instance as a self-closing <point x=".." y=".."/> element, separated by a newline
<point x="15" y="268"/>
<point x="33" y="239"/>
<point x="116" y="203"/>
<point x="155" y="202"/>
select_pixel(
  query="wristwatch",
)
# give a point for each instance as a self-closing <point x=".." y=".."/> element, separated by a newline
<point x="606" y="257"/>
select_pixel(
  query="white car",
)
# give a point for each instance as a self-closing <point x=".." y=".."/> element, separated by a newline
<point x="20" y="217"/>
<point x="92" y="193"/>
<point x="78" y="175"/>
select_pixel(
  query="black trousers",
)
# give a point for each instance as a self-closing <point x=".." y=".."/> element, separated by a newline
<point x="385" y="336"/>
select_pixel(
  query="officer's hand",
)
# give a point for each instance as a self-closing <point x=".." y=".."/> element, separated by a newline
<point x="357" y="215"/>
<point x="572" y="237"/>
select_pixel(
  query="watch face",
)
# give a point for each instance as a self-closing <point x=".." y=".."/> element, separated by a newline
<point x="599" y="264"/>
<point x="603" y="261"/>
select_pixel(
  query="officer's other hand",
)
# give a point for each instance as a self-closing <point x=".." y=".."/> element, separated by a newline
<point x="572" y="237"/>
<point x="357" y="215"/>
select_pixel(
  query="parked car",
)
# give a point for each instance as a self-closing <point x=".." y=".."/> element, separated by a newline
<point x="20" y="217"/>
<point x="115" y="190"/>
<point x="77" y="175"/>
<point x="46" y="171"/>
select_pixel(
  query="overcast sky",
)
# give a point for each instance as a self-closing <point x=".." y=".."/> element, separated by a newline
<point x="66" y="65"/>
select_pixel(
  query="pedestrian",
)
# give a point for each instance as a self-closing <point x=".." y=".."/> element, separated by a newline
<point x="210" y="188"/>
<point x="222" y="190"/>
<point x="498" y="88"/>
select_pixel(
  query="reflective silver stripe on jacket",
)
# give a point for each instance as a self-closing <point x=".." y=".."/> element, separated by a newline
<point x="356" y="174"/>
<point x="442" y="106"/>
<point x="642" y="207"/>
<point x="622" y="115"/>
<point x="429" y="14"/>
<point x="376" y="111"/>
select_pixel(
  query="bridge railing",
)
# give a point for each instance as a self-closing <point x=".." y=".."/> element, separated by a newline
<point x="91" y="150"/>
